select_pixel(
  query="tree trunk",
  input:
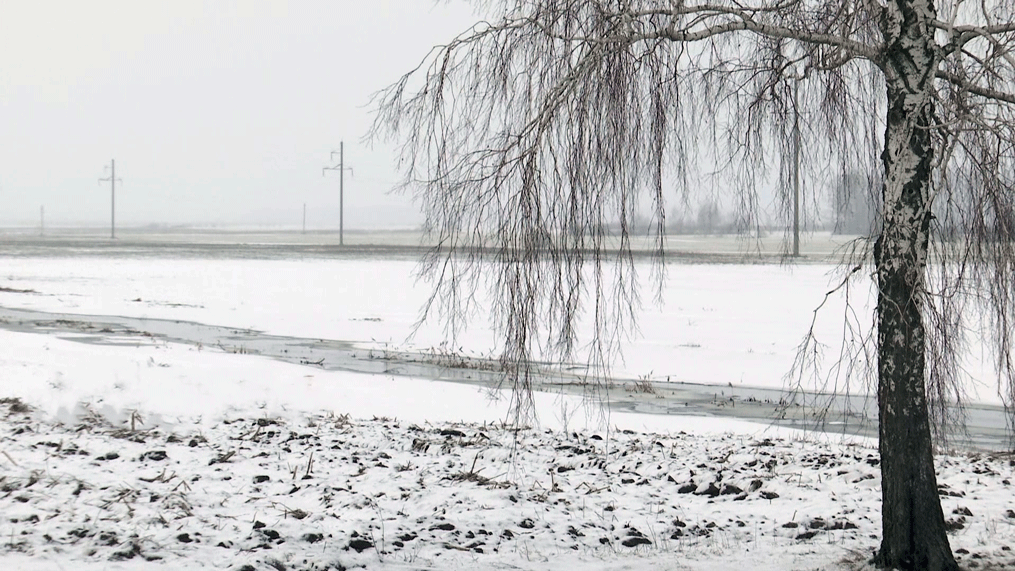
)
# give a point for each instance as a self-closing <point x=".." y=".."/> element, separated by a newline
<point x="914" y="535"/>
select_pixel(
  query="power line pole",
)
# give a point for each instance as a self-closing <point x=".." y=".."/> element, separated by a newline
<point x="796" y="171"/>
<point x="341" y="168"/>
<point x="112" y="197"/>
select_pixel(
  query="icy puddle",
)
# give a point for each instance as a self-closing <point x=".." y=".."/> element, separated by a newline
<point x="854" y="415"/>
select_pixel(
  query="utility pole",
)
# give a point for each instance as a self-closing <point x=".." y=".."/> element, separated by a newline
<point x="341" y="168"/>
<point x="796" y="171"/>
<point x="304" y="217"/>
<point x="42" y="221"/>
<point x="112" y="197"/>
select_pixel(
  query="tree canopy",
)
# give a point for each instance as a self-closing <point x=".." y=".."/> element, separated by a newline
<point x="529" y="134"/>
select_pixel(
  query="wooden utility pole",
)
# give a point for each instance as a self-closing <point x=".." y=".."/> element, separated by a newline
<point x="112" y="197"/>
<point x="341" y="168"/>
<point x="796" y="171"/>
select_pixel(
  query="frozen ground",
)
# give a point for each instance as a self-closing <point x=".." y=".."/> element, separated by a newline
<point x="721" y="324"/>
<point x="191" y="239"/>
<point x="162" y="456"/>
<point x="141" y="454"/>
<point x="727" y="325"/>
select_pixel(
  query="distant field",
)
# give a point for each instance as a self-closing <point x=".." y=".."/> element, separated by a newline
<point x="730" y="319"/>
<point x="251" y="242"/>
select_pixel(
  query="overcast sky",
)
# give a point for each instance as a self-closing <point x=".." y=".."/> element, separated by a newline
<point x="215" y="111"/>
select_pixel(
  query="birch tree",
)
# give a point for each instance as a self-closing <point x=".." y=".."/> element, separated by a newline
<point x="530" y="133"/>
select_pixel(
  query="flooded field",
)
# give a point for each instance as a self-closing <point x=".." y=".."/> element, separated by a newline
<point x="720" y="346"/>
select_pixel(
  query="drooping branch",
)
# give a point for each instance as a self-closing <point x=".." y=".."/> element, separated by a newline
<point x="690" y="23"/>
<point x="961" y="35"/>
<point x="981" y="91"/>
<point x="529" y="139"/>
<point x="856" y="49"/>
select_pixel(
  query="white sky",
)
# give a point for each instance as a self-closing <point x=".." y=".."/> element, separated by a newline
<point x="221" y="111"/>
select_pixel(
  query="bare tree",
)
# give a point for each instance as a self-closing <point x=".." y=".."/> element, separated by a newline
<point x="529" y="134"/>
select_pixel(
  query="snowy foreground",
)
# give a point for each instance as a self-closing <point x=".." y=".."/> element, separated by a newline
<point x="168" y="457"/>
<point x="134" y="453"/>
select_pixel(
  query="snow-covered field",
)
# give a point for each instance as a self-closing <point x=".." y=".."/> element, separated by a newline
<point x="721" y="324"/>
<point x="147" y="455"/>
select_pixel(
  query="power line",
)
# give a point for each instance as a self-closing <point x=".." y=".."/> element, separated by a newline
<point x="341" y="168"/>
<point x="796" y="170"/>
<point x="112" y="197"/>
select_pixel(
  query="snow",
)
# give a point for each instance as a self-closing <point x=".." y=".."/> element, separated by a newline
<point x="237" y="461"/>
<point x="720" y="324"/>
